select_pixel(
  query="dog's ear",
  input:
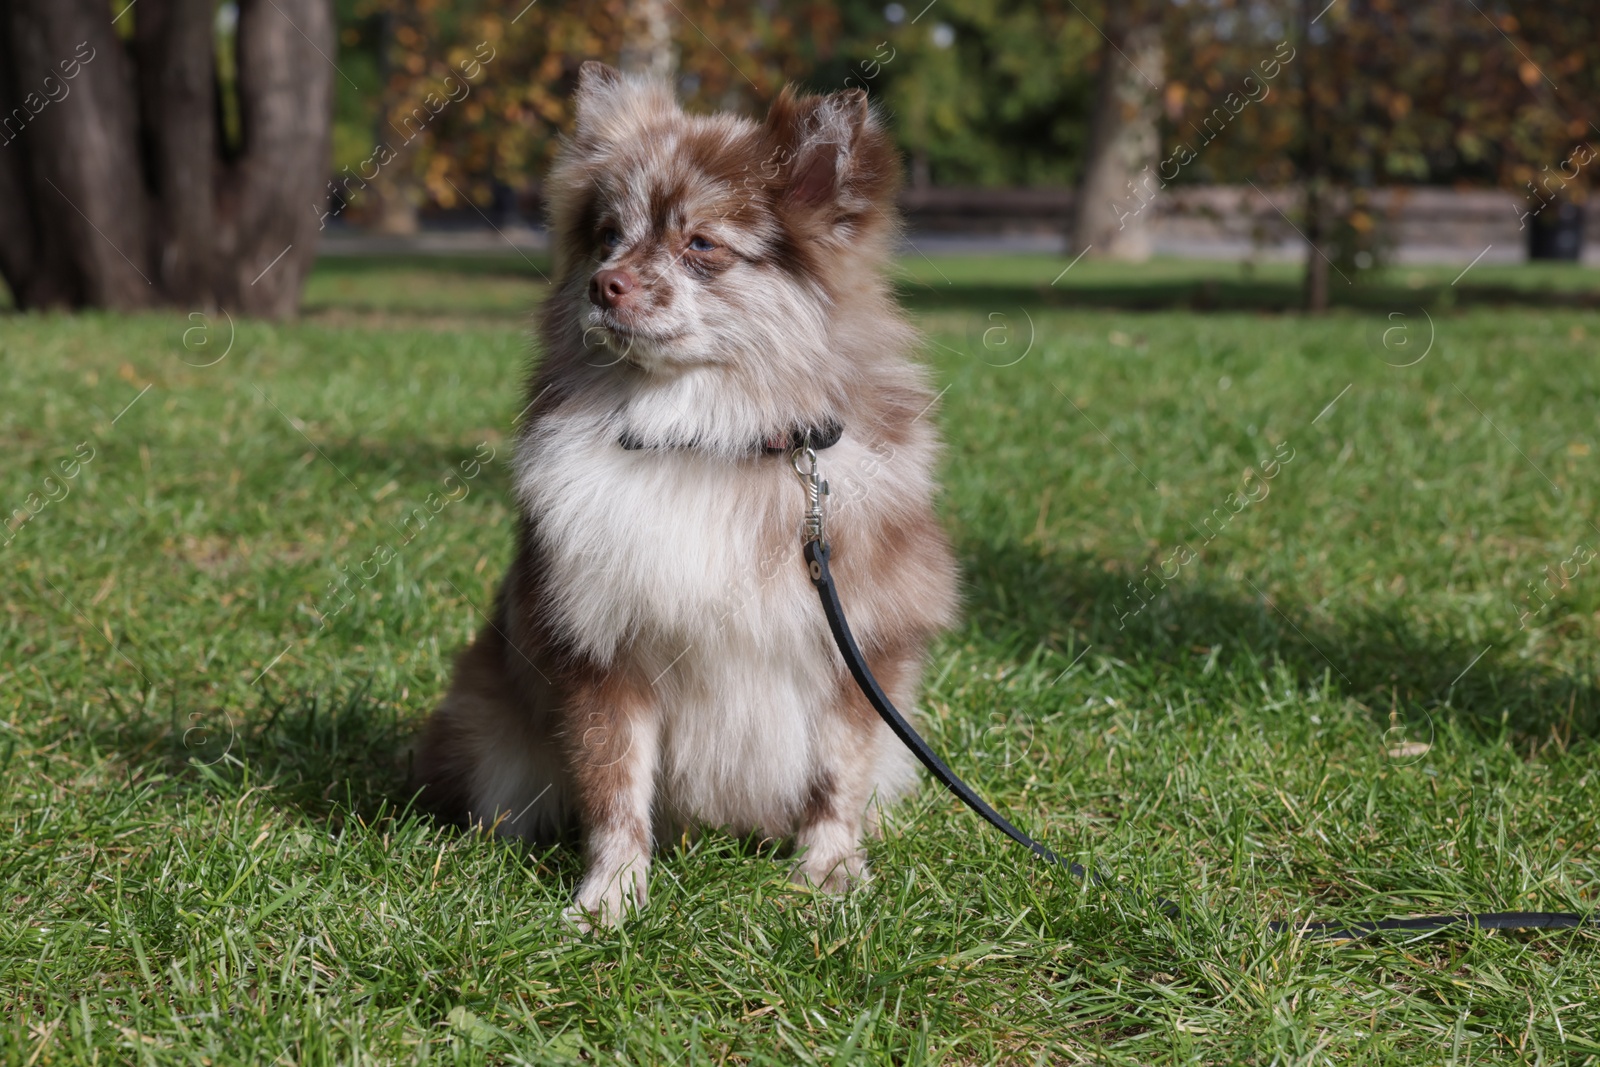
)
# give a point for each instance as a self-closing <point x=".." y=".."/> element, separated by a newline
<point x="830" y="154"/>
<point x="593" y="74"/>
<point x="609" y="106"/>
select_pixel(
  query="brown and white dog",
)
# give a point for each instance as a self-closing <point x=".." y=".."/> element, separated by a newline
<point x="657" y="658"/>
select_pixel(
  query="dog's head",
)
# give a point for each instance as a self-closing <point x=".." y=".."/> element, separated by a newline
<point x="711" y="240"/>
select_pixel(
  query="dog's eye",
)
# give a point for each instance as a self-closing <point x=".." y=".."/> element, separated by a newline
<point x="610" y="237"/>
<point x="700" y="244"/>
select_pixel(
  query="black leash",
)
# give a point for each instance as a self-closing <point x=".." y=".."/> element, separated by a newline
<point x="816" y="557"/>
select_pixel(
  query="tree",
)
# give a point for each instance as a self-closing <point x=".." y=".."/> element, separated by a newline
<point x="132" y="175"/>
<point x="1111" y="214"/>
<point x="648" y="48"/>
<point x="1314" y="169"/>
<point x="979" y="92"/>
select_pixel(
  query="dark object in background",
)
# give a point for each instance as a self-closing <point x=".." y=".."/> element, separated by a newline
<point x="1556" y="232"/>
<point x="503" y="203"/>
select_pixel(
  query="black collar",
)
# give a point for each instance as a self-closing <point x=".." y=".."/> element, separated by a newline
<point x="823" y="435"/>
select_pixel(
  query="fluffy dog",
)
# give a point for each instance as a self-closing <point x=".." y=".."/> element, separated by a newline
<point x="657" y="659"/>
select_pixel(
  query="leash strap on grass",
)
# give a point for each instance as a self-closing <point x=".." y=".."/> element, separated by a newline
<point x="816" y="556"/>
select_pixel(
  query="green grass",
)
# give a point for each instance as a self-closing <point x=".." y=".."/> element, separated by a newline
<point x="209" y="854"/>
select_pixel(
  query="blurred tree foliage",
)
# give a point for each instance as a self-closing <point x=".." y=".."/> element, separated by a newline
<point x="979" y="92"/>
<point x="996" y="92"/>
<point x="1404" y="91"/>
<point x="1342" y="97"/>
<point x="982" y="92"/>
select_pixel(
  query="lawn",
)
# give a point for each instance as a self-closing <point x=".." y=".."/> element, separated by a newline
<point x="1351" y="697"/>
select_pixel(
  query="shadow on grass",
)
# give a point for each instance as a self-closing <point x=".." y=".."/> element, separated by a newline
<point x="338" y="755"/>
<point x="322" y="752"/>
<point x="420" y="465"/>
<point x="1233" y="294"/>
<point x="1384" y="658"/>
<point x="510" y="264"/>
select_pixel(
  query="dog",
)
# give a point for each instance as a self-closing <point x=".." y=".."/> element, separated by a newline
<point x="657" y="660"/>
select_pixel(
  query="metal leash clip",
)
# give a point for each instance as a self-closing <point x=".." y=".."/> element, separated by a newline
<point x="816" y="489"/>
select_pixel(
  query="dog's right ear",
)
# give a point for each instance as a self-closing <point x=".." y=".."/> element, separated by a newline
<point x="609" y="106"/>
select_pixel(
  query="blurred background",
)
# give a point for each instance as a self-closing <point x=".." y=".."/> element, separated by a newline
<point x="201" y="154"/>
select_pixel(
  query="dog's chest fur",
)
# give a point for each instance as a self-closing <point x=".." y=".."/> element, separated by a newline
<point x="684" y="570"/>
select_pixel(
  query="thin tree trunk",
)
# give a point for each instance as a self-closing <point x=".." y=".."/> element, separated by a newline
<point x="391" y="197"/>
<point x="647" y="41"/>
<point x="1115" y="205"/>
<point x="394" y="193"/>
<point x="1316" y="280"/>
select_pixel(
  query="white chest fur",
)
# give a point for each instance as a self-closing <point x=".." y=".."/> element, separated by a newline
<point x="652" y="545"/>
<point x="686" y="569"/>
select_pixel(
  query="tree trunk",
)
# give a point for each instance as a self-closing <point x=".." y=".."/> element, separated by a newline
<point x="1315" y="176"/>
<point x="647" y="41"/>
<point x="38" y="274"/>
<point x="114" y="189"/>
<point x="177" y="88"/>
<point x="393" y="195"/>
<point x="1115" y="205"/>
<point x="1316" y="281"/>
<point x="285" y="91"/>
<point x="390" y="199"/>
<point x="80" y="156"/>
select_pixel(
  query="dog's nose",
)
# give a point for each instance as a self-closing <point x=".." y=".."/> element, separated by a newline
<point x="608" y="288"/>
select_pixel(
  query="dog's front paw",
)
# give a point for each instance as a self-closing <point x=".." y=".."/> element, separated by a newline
<point x="604" y="898"/>
<point x="831" y="872"/>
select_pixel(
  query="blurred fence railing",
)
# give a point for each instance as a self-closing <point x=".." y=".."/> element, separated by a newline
<point x="1417" y="223"/>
